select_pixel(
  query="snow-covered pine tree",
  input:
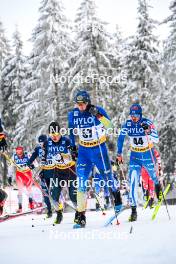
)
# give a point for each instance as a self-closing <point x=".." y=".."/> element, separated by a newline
<point x="4" y="52"/>
<point x="91" y="64"/>
<point x="46" y="95"/>
<point x="118" y="51"/>
<point x="167" y="114"/>
<point x="142" y="65"/>
<point x="12" y="81"/>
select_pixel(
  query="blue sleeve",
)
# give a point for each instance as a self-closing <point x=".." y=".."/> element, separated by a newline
<point x="68" y="143"/>
<point x="71" y="127"/>
<point x="1" y="129"/>
<point x="34" y="155"/>
<point x="154" y="134"/>
<point x="121" y="138"/>
<point x="103" y="112"/>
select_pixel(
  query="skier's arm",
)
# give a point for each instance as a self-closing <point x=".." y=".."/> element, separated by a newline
<point x="71" y="130"/>
<point x="34" y="155"/>
<point x="101" y="115"/>
<point x="121" y="138"/>
<point x="150" y="130"/>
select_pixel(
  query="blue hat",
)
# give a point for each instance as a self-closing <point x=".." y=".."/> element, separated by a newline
<point x="42" y="138"/>
<point x="82" y="97"/>
<point x="136" y="109"/>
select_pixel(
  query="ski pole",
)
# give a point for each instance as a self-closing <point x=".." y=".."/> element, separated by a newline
<point x="103" y="161"/>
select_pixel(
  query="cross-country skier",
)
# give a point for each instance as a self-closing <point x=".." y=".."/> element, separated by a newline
<point x="90" y="122"/>
<point x="59" y="167"/>
<point x="3" y="147"/>
<point x="3" y="143"/>
<point x="142" y="135"/>
<point x="45" y="177"/>
<point x="23" y="176"/>
<point x="147" y="182"/>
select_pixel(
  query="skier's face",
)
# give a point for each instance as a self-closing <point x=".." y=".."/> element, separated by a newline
<point x="41" y="144"/>
<point x="55" y="137"/>
<point x="81" y="106"/>
<point x="19" y="152"/>
<point x="135" y="118"/>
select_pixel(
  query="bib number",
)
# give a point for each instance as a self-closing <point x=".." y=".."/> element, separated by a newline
<point x="138" y="141"/>
<point x="87" y="133"/>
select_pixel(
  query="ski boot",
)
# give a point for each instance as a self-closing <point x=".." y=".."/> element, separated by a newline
<point x="3" y="197"/>
<point x="151" y="203"/>
<point x="97" y="207"/>
<point x="107" y="203"/>
<point x="31" y="204"/>
<point x="19" y="209"/>
<point x="59" y="217"/>
<point x="133" y="216"/>
<point x="76" y="219"/>
<point x="158" y="191"/>
<point x="1" y="208"/>
<point x="81" y="220"/>
<point x="49" y="214"/>
<point x="118" y="208"/>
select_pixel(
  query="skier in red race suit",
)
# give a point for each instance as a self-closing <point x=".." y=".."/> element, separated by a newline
<point x="147" y="182"/>
<point x="23" y="176"/>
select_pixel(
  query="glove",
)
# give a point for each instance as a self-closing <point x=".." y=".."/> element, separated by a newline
<point x="41" y="175"/>
<point x="31" y="166"/>
<point x="74" y="153"/>
<point x="119" y="159"/>
<point x="58" y="157"/>
<point x="9" y="181"/>
<point x="3" y="144"/>
<point x="146" y="128"/>
<point x="92" y="109"/>
<point x="159" y="170"/>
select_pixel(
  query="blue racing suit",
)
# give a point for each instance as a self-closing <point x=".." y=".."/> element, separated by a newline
<point x="92" y="147"/>
<point x="142" y="154"/>
<point x="45" y="179"/>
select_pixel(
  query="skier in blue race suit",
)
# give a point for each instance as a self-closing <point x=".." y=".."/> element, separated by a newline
<point x="142" y="135"/>
<point x="89" y="122"/>
<point x="45" y="181"/>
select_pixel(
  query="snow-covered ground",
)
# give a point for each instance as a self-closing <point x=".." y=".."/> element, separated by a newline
<point x="150" y="242"/>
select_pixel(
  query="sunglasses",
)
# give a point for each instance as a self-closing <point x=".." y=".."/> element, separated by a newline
<point x="136" y="116"/>
<point x="54" y="134"/>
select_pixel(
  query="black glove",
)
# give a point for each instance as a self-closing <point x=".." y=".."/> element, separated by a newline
<point x="3" y="144"/>
<point x="9" y="181"/>
<point x="119" y="159"/>
<point x="31" y="166"/>
<point x="74" y="153"/>
<point x="92" y="109"/>
<point x="145" y="126"/>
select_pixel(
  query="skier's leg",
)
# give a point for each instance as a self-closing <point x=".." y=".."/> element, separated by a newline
<point x="56" y="192"/>
<point x="84" y="166"/>
<point x="134" y="176"/>
<point x="3" y="197"/>
<point x="102" y="162"/>
<point x="45" y="184"/>
<point x="29" y="189"/>
<point x="150" y="167"/>
<point x="20" y="186"/>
